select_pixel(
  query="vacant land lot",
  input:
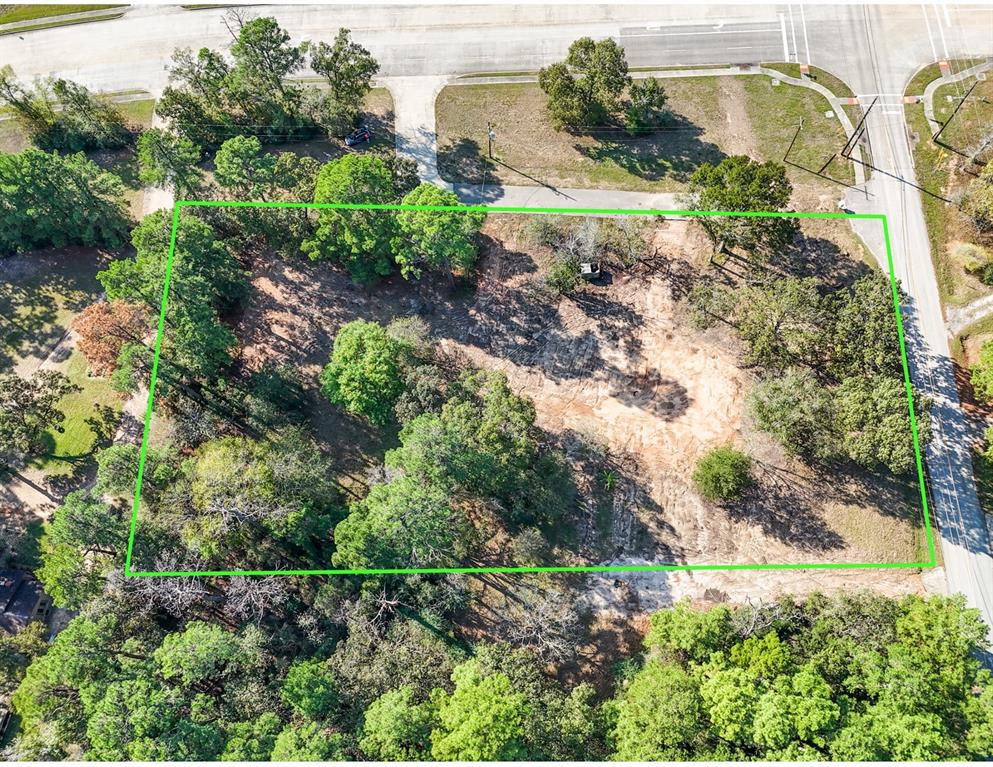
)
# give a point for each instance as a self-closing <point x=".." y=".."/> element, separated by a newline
<point x="617" y="367"/>
<point x="712" y="117"/>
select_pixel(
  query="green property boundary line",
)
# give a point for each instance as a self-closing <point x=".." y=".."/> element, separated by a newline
<point x="179" y="205"/>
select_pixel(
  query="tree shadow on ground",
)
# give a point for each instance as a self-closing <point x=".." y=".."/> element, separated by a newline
<point x="810" y="256"/>
<point x="20" y="537"/>
<point x="464" y="162"/>
<point x="123" y="163"/>
<point x="673" y="151"/>
<point x="32" y="287"/>
<point x="785" y="506"/>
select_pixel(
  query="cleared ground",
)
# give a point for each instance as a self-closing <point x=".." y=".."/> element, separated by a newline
<point x="712" y="117"/>
<point x="617" y="366"/>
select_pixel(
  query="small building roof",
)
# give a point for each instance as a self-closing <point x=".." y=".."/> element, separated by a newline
<point x="20" y="595"/>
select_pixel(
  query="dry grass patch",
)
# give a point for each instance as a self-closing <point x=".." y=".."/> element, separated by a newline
<point x="712" y="117"/>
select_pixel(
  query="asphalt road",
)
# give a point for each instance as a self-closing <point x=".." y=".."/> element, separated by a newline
<point x="876" y="49"/>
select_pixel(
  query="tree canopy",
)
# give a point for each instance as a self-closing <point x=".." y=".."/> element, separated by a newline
<point x="64" y="116"/>
<point x="741" y="184"/>
<point x="365" y="374"/>
<point x="585" y="89"/>
<point x="361" y="240"/>
<point x="53" y="200"/>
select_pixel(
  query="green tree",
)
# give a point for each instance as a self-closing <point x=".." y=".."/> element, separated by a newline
<point x="199" y="653"/>
<point x="309" y="742"/>
<point x="88" y="524"/>
<point x="64" y="116"/>
<point x="402" y="523"/>
<point x="245" y="495"/>
<point x="723" y="474"/>
<point x="481" y="720"/>
<point x="741" y="184"/>
<point x="205" y="279"/>
<point x="441" y="241"/>
<point x="361" y="240"/>
<point x="52" y="200"/>
<point x="309" y="688"/>
<point x="348" y="69"/>
<point x="584" y="90"/>
<point x="165" y="159"/>
<point x="730" y="698"/>
<point x="484" y="442"/>
<point x="29" y="409"/>
<point x="863" y="335"/>
<point x="396" y="727"/>
<point x="648" y="108"/>
<point x="874" y="421"/>
<point x="138" y="719"/>
<point x="252" y="741"/>
<point x="566" y="106"/>
<point x="209" y="99"/>
<point x="564" y="274"/>
<point x="241" y="168"/>
<point x="683" y="633"/>
<point x="365" y="372"/>
<point x="659" y="715"/>
<point x="981" y="373"/>
<point x="782" y="323"/>
<point x="263" y="56"/>
<point x="799" y="412"/>
<point x="17" y="651"/>
<point x="978" y="201"/>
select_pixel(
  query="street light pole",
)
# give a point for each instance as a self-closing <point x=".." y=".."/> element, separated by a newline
<point x="490" y="135"/>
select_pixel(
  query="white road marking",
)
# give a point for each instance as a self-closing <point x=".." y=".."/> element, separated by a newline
<point x="930" y="37"/>
<point x="941" y="31"/>
<point x="786" y="45"/>
<point x="694" y="34"/>
<point x="948" y="19"/>
<point x="803" y="23"/>
<point x="796" y="53"/>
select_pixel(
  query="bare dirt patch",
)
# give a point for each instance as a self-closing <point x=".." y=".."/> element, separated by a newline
<point x="732" y="98"/>
<point x="617" y="364"/>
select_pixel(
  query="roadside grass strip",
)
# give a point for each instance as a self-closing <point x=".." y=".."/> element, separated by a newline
<point x="881" y="218"/>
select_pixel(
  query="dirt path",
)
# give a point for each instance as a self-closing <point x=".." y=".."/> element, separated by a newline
<point x="739" y="138"/>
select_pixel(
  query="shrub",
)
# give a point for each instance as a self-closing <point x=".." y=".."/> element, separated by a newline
<point x="971" y="257"/>
<point x="723" y="474"/>
<point x="563" y="275"/>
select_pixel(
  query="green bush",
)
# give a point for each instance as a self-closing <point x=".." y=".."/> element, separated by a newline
<point x="723" y="474"/>
<point x="971" y="257"/>
<point x="563" y="275"/>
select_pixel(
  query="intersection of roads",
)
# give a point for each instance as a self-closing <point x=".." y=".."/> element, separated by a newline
<point x="875" y="49"/>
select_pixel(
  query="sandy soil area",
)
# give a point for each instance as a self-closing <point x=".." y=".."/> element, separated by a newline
<point x="618" y="364"/>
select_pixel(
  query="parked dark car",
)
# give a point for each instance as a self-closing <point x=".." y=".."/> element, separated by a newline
<point x="358" y="136"/>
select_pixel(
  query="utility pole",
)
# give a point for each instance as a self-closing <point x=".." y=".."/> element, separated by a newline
<point x="490" y="136"/>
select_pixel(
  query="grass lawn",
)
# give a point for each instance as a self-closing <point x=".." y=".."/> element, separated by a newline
<point x="61" y="23"/>
<point x="971" y="125"/>
<point x="40" y="293"/>
<point x="712" y="117"/>
<point x="91" y="416"/>
<point x="11" y="14"/>
<point x="776" y="111"/>
<point x="940" y="171"/>
<point x="835" y="84"/>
